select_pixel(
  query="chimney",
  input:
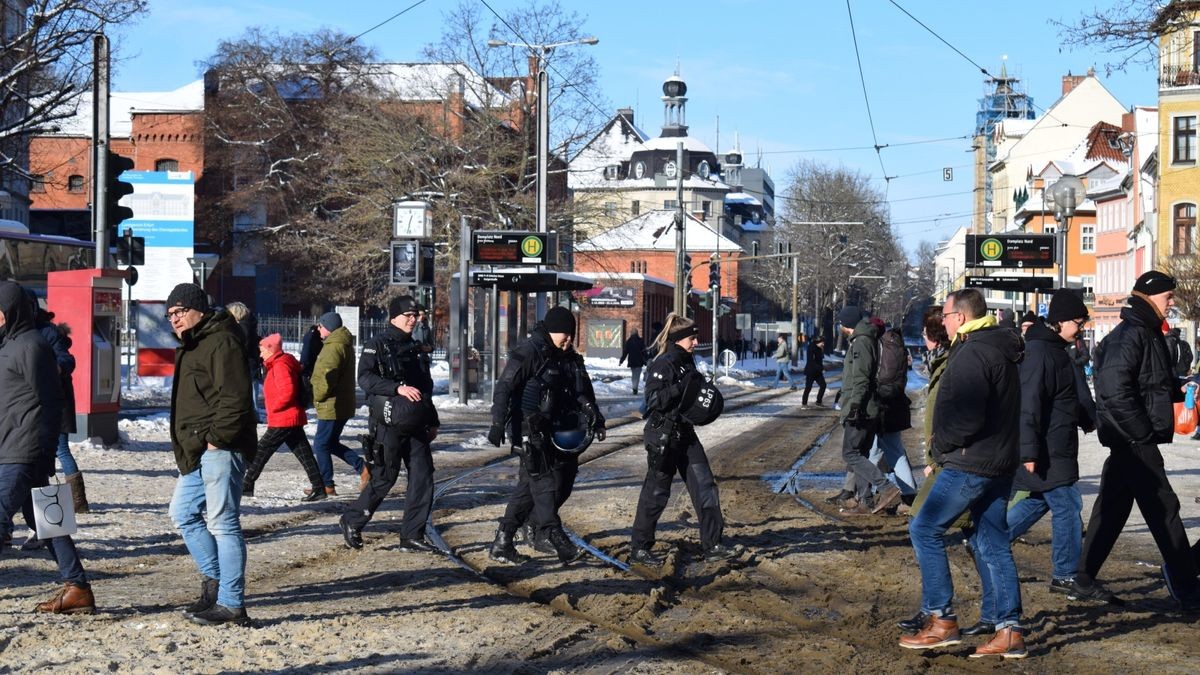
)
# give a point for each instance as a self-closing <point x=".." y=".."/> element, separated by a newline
<point x="1070" y="81"/>
<point x="627" y="113"/>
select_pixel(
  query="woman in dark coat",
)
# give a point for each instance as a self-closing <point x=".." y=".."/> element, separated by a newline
<point x="814" y="369"/>
<point x="635" y="352"/>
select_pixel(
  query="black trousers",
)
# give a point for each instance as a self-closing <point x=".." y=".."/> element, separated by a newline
<point x="808" y="383"/>
<point x="413" y="451"/>
<point x="538" y="497"/>
<point x="856" y="448"/>
<point x="691" y="464"/>
<point x="1136" y="474"/>
<point x="297" y="441"/>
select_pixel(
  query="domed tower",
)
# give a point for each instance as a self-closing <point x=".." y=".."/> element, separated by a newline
<point x="674" y="107"/>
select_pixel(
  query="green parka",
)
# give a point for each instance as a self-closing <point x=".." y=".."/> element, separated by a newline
<point x="210" y="394"/>
<point x="333" y="378"/>
<point x="860" y="405"/>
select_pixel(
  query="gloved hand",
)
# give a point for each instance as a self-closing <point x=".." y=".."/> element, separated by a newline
<point x="496" y="435"/>
<point x="601" y="433"/>
<point x="537" y="428"/>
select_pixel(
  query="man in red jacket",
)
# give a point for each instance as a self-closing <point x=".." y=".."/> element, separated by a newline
<point x="285" y="418"/>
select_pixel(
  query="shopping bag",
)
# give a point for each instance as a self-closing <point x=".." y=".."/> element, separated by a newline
<point x="53" y="511"/>
<point x="1185" y="419"/>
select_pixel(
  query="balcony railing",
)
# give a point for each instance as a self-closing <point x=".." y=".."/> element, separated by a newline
<point x="1179" y="76"/>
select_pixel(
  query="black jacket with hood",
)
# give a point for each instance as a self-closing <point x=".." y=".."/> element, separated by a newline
<point x="1136" y="388"/>
<point x="30" y="394"/>
<point x="979" y="403"/>
<point x="514" y="396"/>
<point x="1053" y="409"/>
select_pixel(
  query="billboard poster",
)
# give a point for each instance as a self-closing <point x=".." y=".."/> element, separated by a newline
<point x="610" y="296"/>
<point x="163" y="204"/>
<point x="605" y="337"/>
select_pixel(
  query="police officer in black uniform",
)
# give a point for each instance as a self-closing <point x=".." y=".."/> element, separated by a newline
<point x="402" y="425"/>
<point x="543" y="387"/>
<point x="672" y="447"/>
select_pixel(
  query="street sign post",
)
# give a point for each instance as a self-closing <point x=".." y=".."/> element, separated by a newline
<point x="1019" y="251"/>
<point x="510" y="247"/>
<point x="728" y="360"/>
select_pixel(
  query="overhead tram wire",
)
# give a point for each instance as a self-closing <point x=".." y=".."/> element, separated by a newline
<point x="870" y="118"/>
<point x="391" y="18"/>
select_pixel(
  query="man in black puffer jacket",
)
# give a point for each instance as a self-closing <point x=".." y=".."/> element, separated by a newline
<point x="1136" y="390"/>
<point x="975" y="440"/>
<point x="1055" y="404"/>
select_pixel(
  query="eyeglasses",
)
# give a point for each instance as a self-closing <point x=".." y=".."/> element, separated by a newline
<point x="176" y="313"/>
<point x="1081" y="322"/>
<point x="946" y="315"/>
<point x="411" y="315"/>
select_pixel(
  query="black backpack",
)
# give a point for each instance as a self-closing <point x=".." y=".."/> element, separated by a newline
<point x="892" y="376"/>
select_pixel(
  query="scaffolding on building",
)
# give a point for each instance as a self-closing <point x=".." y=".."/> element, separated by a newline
<point x="1004" y="98"/>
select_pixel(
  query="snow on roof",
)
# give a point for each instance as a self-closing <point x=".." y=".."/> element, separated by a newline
<point x="654" y="230"/>
<point x="742" y="198"/>
<point x="625" y="276"/>
<point x="122" y="105"/>
<point x="1110" y="184"/>
<point x="670" y="142"/>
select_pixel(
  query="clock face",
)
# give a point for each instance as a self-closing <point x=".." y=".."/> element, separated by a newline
<point x="704" y="170"/>
<point x="410" y="222"/>
<point x="639" y="170"/>
<point x="670" y="169"/>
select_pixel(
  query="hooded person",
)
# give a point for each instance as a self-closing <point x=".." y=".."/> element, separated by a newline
<point x="31" y="396"/>
<point x="543" y="382"/>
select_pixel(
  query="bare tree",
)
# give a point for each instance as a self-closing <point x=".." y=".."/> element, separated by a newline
<point x="1127" y="30"/>
<point x="1186" y="270"/>
<point x="46" y="63"/>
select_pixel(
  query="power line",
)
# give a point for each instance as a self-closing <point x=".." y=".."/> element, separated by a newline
<point x="867" y="147"/>
<point x="862" y="79"/>
<point x="393" y="17"/>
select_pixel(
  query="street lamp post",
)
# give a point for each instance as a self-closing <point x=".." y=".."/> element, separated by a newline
<point x="1065" y="195"/>
<point x="541" y="52"/>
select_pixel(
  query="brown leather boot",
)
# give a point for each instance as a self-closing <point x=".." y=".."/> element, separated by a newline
<point x="78" y="493"/>
<point x="939" y="632"/>
<point x="71" y="599"/>
<point x="1007" y="642"/>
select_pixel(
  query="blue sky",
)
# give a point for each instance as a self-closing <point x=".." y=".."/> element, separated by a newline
<point x="782" y="73"/>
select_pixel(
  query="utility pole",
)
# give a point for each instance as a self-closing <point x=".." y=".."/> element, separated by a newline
<point x="543" y="162"/>
<point x="680" y="241"/>
<point x="464" y="280"/>
<point x="100" y="80"/>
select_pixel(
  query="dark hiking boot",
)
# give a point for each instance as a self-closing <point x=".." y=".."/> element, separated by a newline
<point x="314" y="494"/>
<point x="1093" y="592"/>
<point x="248" y="489"/>
<point x="503" y="550"/>
<point x="220" y="614"/>
<point x="78" y="493"/>
<point x="208" y="597"/>
<point x="352" y="537"/>
<point x="721" y="552"/>
<point x="888" y="497"/>
<point x="566" y="549"/>
<point x="644" y="556"/>
<point x="836" y="500"/>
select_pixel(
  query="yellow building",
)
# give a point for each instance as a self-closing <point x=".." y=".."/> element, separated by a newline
<point x="1178" y="28"/>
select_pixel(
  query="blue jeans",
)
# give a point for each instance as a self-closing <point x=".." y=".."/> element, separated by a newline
<point x="16" y="482"/>
<point x="890" y="446"/>
<point x="953" y="492"/>
<point x="328" y="442"/>
<point x="65" y="460"/>
<point x="213" y="493"/>
<point x="1066" y="526"/>
<point x="783" y="369"/>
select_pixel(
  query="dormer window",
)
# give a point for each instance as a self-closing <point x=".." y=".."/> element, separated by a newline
<point x="612" y="172"/>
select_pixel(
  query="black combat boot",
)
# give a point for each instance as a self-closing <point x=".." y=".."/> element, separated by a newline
<point x="567" y="551"/>
<point x="208" y="597"/>
<point x="503" y="549"/>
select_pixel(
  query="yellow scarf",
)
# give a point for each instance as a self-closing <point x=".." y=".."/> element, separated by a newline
<point x="974" y="325"/>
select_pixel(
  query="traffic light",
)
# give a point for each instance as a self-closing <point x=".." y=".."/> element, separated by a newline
<point x="714" y="271"/>
<point x="131" y="250"/>
<point x="687" y="273"/>
<point x="114" y="190"/>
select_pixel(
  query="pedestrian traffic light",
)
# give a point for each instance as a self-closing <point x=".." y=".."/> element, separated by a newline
<point x="131" y="250"/>
<point x="687" y="273"/>
<point x="714" y="271"/>
<point x="115" y="189"/>
<point x="706" y="300"/>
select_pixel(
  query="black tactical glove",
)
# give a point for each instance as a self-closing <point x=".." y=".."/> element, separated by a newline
<point x="496" y="435"/>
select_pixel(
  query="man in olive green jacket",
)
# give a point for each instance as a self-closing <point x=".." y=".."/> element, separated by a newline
<point x="334" y="384"/>
<point x="860" y="414"/>
<point x="213" y="433"/>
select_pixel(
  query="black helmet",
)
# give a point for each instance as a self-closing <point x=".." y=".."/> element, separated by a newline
<point x="701" y="402"/>
<point x="570" y="432"/>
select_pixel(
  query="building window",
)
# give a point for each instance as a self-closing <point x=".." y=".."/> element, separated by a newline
<point x="1087" y="239"/>
<point x="670" y="204"/>
<point x="636" y="207"/>
<point x="166" y="165"/>
<point x="1184" y="223"/>
<point x="754" y="248"/>
<point x="37" y="183"/>
<point x="75" y="183"/>
<point x="610" y="209"/>
<point x="706" y="208"/>
<point x="1050" y="228"/>
<point x="1088" y="281"/>
<point x="1184" y="139"/>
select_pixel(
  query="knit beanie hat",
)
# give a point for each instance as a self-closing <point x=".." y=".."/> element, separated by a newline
<point x="849" y="316"/>
<point x="188" y="296"/>
<point x="1153" y="283"/>
<point x="401" y="304"/>
<point x="559" y="320"/>
<point x="331" y="321"/>
<point x="1029" y="317"/>
<point x="1066" y="305"/>
<point x="273" y="342"/>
